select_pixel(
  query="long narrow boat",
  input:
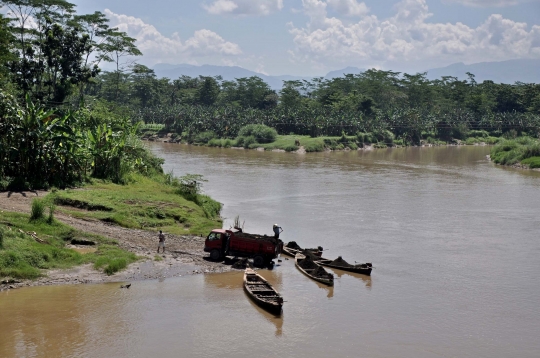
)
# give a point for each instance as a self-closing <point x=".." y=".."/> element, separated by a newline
<point x="261" y="292"/>
<point x="341" y="264"/>
<point x="312" y="270"/>
<point x="292" y="251"/>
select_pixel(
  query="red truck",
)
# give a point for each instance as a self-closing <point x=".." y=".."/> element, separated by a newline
<point x="220" y="243"/>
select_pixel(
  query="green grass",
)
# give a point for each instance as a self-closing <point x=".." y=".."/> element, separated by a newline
<point x="22" y="257"/>
<point x="532" y="162"/>
<point x="147" y="203"/>
<point x="522" y="150"/>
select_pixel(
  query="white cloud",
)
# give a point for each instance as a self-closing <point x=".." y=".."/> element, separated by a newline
<point x="244" y="7"/>
<point x="349" y="7"/>
<point x="159" y="48"/>
<point x="489" y="3"/>
<point x="408" y="38"/>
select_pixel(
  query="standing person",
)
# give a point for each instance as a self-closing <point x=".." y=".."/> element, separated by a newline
<point x="161" y="241"/>
<point x="277" y="230"/>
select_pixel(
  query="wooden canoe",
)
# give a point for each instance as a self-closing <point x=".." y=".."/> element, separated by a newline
<point x="292" y="252"/>
<point x="364" y="269"/>
<point x="261" y="292"/>
<point x="327" y="278"/>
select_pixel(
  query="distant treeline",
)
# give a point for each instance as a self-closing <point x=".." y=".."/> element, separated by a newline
<point x="63" y="120"/>
<point x="407" y="105"/>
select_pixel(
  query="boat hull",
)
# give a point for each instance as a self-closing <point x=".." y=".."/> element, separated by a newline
<point x="255" y="285"/>
<point x="329" y="282"/>
<point x="353" y="268"/>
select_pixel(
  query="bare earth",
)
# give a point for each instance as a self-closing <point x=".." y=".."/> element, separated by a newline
<point x="184" y="255"/>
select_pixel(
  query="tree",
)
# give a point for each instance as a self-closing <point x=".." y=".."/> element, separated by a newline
<point x="118" y="45"/>
<point x="208" y="91"/>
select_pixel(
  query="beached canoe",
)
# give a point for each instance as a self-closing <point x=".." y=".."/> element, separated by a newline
<point x="312" y="270"/>
<point x="261" y="292"/>
<point x="341" y="264"/>
<point x="291" y="249"/>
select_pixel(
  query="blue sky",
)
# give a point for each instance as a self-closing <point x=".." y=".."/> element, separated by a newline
<point x="312" y="37"/>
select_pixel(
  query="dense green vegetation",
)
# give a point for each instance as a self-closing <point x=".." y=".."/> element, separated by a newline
<point x="23" y="257"/>
<point x="410" y="107"/>
<point x="160" y="202"/>
<point x="524" y="151"/>
<point x="56" y="133"/>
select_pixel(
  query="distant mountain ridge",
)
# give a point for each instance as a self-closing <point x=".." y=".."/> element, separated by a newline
<point x="511" y="71"/>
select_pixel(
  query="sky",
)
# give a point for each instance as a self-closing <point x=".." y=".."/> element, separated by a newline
<point x="313" y="37"/>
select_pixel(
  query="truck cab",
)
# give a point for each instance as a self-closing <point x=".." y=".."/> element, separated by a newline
<point x="262" y="248"/>
<point x="215" y="243"/>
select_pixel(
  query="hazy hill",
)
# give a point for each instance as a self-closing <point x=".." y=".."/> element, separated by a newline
<point x="511" y="71"/>
<point x="228" y="73"/>
<point x="501" y="72"/>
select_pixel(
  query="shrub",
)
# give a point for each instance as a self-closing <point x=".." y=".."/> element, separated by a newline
<point x="314" y="147"/>
<point x="228" y="143"/>
<point x="291" y="148"/>
<point x="478" y="134"/>
<point x="115" y="265"/>
<point x="240" y="141"/>
<point x="262" y="133"/>
<point x="249" y="140"/>
<point x="384" y="136"/>
<point x="204" y="137"/>
<point x="38" y="209"/>
<point x="533" y="162"/>
<point x="214" y="142"/>
<point x="50" y="218"/>
<point x="367" y="138"/>
<point x="352" y="146"/>
<point x="1" y="238"/>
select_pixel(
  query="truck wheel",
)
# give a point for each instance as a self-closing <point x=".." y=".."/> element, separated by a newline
<point x="215" y="255"/>
<point x="258" y="261"/>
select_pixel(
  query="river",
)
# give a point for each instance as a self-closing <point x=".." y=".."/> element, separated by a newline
<point x="454" y="241"/>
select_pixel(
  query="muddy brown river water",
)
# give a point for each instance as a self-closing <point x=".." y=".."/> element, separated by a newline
<point x="455" y="242"/>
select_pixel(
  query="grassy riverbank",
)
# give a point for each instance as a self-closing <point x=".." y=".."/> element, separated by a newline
<point x="31" y="243"/>
<point x="292" y="143"/>
<point x="145" y="203"/>
<point x="29" y="246"/>
<point x="524" y="151"/>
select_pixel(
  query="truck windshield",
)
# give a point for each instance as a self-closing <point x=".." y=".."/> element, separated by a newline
<point x="214" y="236"/>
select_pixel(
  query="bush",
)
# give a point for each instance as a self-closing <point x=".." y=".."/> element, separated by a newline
<point x="38" y="210"/>
<point x="291" y="148"/>
<point x="240" y="141"/>
<point x="214" y="142"/>
<point x="533" y="162"/>
<point x="478" y="134"/>
<point x="249" y="141"/>
<point x="228" y="143"/>
<point x="204" y="137"/>
<point x="1" y="238"/>
<point x="367" y="138"/>
<point x="384" y="136"/>
<point x="262" y="133"/>
<point x="352" y="146"/>
<point x="50" y="218"/>
<point x="314" y="147"/>
<point x="115" y="265"/>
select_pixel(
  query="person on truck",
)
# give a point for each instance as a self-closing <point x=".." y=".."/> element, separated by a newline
<point x="277" y="230"/>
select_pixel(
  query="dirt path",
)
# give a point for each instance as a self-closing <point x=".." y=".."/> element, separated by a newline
<point x="184" y="254"/>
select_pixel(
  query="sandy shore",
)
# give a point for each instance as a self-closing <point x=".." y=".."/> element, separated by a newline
<point x="184" y="255"/>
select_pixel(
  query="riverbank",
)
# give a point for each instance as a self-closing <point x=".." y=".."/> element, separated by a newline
<point x="95" y="215"/>
<point x="522" y="153"/>
<point x="307" y="144"/>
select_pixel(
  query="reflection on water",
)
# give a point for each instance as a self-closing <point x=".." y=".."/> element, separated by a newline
<point x="340" y="273"/>
<point x="436" y="222"/>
